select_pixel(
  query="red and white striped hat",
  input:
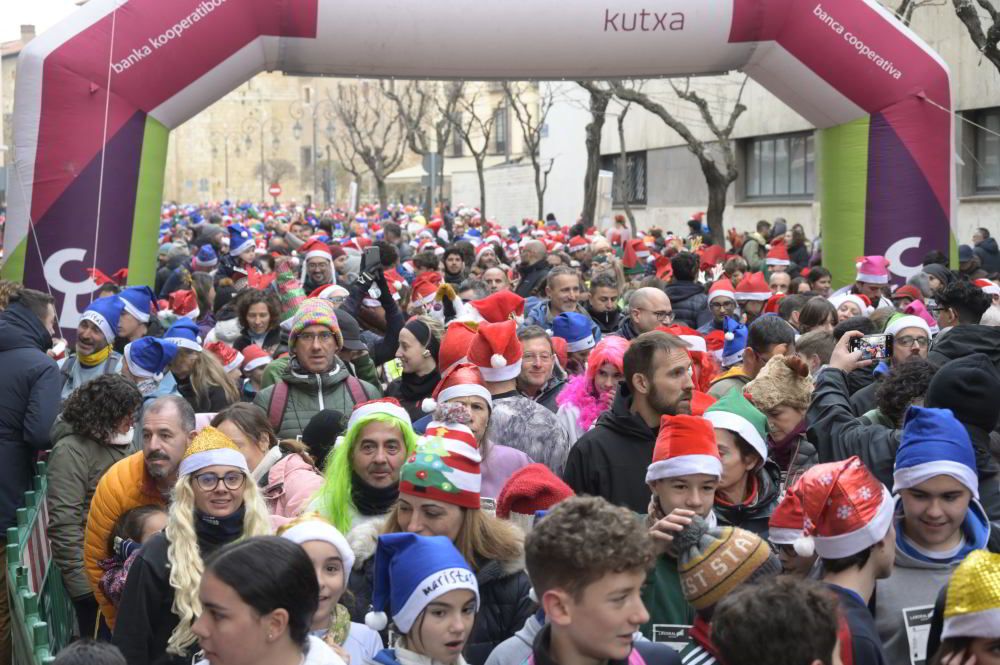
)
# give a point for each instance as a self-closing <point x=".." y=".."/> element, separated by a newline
<point x="445" y="466"/>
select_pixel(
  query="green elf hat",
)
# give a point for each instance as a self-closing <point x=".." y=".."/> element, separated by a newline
<point x="735" y="413"/>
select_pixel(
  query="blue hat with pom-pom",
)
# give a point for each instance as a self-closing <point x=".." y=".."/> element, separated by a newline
<point x="736" y="341"/>
<point x="240" y="239"/>
<point x="205" y="258"/>
<point x="410" y="572"/>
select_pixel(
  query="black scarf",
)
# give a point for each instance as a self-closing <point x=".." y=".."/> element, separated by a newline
<point x="413" y="388"/>
<point x="214" y="532"/>
<point x="372" y="500"/>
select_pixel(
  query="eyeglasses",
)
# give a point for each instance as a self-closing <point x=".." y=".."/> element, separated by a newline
<point x="309" y="338"/>
<point x="538" y="357"/>
<point x="661" y="315"/>
<point x="233" y="480"/>
<point x="908" y="341"/>
<point x="724" y="304"/>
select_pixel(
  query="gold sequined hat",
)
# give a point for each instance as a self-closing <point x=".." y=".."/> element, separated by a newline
<point x="972" y="608"/>
<point x="210" y="447"/>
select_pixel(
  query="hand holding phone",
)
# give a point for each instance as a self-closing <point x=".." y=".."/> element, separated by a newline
<point x="873" y="347"/>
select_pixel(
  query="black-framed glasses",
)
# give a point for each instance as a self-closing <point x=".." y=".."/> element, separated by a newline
<point x="661" y="315"/>
<point x="723" y="304"/>
<point x="233" y="480"/>
<point x="310" y="337"/>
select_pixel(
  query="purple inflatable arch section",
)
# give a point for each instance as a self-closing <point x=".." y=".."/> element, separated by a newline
<point x="98" y="94"/>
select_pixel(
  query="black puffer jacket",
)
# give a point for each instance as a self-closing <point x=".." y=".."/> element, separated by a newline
<point x="989" y="255"/>
<point x="504" y="606"/>
<point x="690" y="303"/>
<point x="754" y="517"/>
<point x="532" y="279"/>
<point x="29" y="403"/>
<point x="610" y="460"/>
<point x="964" y="340"/>
<point x="607" y="322"/>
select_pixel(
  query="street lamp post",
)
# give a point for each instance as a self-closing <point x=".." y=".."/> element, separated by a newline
<point x="225" y="136"/>
<point x="252" y="122"/>
<point x="297" y="111"/>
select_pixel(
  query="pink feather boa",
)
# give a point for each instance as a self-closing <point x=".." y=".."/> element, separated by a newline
<point x="579" y="392"/>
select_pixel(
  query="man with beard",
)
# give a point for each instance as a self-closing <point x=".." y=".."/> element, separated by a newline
<point x="611" y="459"/>
<point x="94" y="354"/>
<point x="141" y="479"/>
<point x="911" y="339"/>
<point x="317" y="265"/>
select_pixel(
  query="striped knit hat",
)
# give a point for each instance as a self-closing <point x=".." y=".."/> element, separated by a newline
<point x="445" y="465"/>
<point x="315" y="312"/>
<point x="714" y="561"/>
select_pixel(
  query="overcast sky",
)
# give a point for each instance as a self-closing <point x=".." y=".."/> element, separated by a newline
<point x="43" y="14"/>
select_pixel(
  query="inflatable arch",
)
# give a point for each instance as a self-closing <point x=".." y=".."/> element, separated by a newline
<point x="98" y="94"/>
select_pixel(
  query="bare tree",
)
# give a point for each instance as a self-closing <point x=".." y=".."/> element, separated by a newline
<point x="371" y="137"/>
<point x="626" y="177"/>
<point x="982" y="21"/>
<point x="600" y="97"/>
<point x="473" y="122"/>
<point x="275" y="170"/>
<point x="905" y="9"/>
<point x="530" y="110"/>
<point x="426" y="109"/>
<point x="718" y="176"/>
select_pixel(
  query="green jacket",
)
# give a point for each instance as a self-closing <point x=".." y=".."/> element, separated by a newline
<point x="308" y="394"/>
<point x="665" y="601"/>
<point x="75" y="465"/>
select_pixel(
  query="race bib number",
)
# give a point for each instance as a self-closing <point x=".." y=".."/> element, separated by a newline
<point x="918" y="628"/>
<point x="674" y="636"/>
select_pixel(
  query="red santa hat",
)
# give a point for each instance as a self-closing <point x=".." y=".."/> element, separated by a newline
<point x="664" y="269"/>
<point x="988" y="287"/>
<point x="483" y="248"/>
<point x="329" y="292"/>
<point x="394" y="279"/>
<point x="496" y="351"/>
<point x="528" y="490"/>
<point x="462" y="380"/>
<point x="578" y="244"/>
<point x="777" y="255"/>
<point x="772" y="303"/>
<point x="230" y="358"/>
<point x="500" y="306"/>
<point x="425" y="286"/>
<point x="180" y="303"/>
<point x="846" y="509"/>
<point x="721" y="288"/>
<point x="685" y="446"/>
<point x="872" y="269"/>
<point x="693" y="338"/>
<point x="254" y="357"/>
<point x="785" y="523"/>
<point x="454" y="347"/>
<point x="753" y="287"/>
<point x="862" y="302"/>
<point x="351" y="247"/>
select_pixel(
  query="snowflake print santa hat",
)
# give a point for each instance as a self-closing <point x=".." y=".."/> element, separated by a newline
<point x="445" y="465"/>
<point x="846" y="509"/>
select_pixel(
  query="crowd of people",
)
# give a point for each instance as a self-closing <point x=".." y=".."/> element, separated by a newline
<point x="326" y="438"/>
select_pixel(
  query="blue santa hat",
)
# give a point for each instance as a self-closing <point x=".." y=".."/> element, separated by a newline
<point x="240" y="239"/>
<point x="104" y="313"/>
<point x="185" y="334"/>
<point x="148" y="357"/>
<point x="205" y="258"/>
<point x="576" y="329"/>
<point x="410" y="572"/>
<point x="934" y="443"/>
<point x="137" y="301"/>
<point x="735" y="341"/>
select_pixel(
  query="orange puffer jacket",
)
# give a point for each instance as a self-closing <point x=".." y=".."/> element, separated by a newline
<point x="125" y="486"/>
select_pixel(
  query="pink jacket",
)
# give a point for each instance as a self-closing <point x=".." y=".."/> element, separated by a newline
<point x="291" y="484"/>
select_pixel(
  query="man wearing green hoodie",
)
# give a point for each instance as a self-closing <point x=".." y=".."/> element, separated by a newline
<point x="938" y="522"/>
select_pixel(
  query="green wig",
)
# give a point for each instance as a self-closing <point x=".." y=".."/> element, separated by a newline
<point x="334" y="497"/>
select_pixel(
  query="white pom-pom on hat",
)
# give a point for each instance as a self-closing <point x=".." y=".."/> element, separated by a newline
<point x="428" y="405"/>
<point x="729" y="336"/>
<point x="377" y="621"/>
<point x="805" y="546"/>
<point x="498" y="361"/>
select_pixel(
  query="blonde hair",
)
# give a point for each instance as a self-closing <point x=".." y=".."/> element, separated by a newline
<point x="186" y="564"/>
<point x="482" y="537"/>
<point x="208" y="372"/>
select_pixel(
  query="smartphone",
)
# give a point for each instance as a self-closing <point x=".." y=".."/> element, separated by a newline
<point x="371" y="259"/>
<point x="873" y="347"/>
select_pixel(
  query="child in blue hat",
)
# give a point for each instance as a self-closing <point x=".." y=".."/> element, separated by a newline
<point x="429" y="592"/>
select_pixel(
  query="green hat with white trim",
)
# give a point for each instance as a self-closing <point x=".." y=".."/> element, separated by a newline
<point x="735" y="413"/>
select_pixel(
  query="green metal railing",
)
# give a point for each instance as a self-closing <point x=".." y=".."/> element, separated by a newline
<point x="41" y="611"/>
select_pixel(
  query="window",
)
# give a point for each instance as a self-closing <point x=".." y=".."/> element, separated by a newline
<point x="306" y="156"/>
<point x="456" y="135"/>
<point x="780" y="167"/>
<point x="500" y="130"/>
<point x="630" y="185"/>
<point x="307" y="95"/>
<point x="987" y="158"/>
